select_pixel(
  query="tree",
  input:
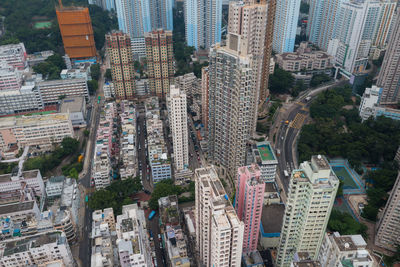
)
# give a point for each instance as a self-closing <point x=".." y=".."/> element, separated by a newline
<point x="95" y="71"/>
<point x="162" y="189"/>
<point x="93" y="85"/>
<point x="70" y="145"/>
<point x="345" y="224"/>
<point x="318" y="79"/>
<point x="73" y="173"/>
<point x="51" y="67"/>
<point x="281" y="81"/>
<point x="107" y="75"/>
<point x="304" y="7"/>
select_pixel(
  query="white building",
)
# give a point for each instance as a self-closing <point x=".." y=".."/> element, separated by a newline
<point x="188" y="84"/>
<point x="51" y="91"/>
<point x="83" y="72"/>
<point x="345" y="250"/>
<point x="132" y="241"/>
<point x="369" y="101"/>
<point x="27" y="98"/>
<point x="76" y="108"/>
<point x="285" y="26"/>
<point x="142" y="87"/>
<point x="10" y="77"/>
<point x="312" y="190"/>
<point x="108" y="89"/>
<point x="203" y="22"/>
<point x="177" y="114"/>
<point x="264" y="156"/>
<point x="138" y="48"/>
<point x="36" y="250"/>
<point x="20" y="180"/>
<point x="219" y="232"/>
<point x="14" y="55"/>
<point x="355" y="26"/>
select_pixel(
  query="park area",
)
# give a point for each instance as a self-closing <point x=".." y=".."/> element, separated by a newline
<point x="352" y="183"/>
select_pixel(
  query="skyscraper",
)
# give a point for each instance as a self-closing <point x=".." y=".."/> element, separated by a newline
<point x="250" y="189"/>
<point x="203" y="22"/>
<point x="161" y="14"/>
<point x="388" y="234"/>
<point x="204" y="97"/>
<point x="248" y="22"/>
<point x="389" y="75"/>
<point x="105" y="4"/>
<point x="219" y="232"/>
<point x="231" y="105"/>
<point x="312" y="191"/>
<point x="122" y="71"/>
<point x="321" y="21"/>
<point x="76" y="31"/>
<point x="160" y="61"/>
<point x="133" y="17"/>
<point x="285" y="27"/>
<point x="353" y="34"/>
<point x="385" y="25"/>
<point x="269" y="34"/>
<point x="177" y="114"/>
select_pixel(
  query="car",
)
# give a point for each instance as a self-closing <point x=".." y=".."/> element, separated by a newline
<point x="198" y="158"/>
<point x="159" y="237"/>
<point x="160" y="245"/>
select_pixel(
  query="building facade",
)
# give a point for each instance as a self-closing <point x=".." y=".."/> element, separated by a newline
<point x="10" y="78"/>
<point x="312" y="190"/>
<point x="133" y="17"/>
<point x="205" y="79"/>
<point x="345" y="250"/>
<point x="219" y="232"/>
<point x="76" y="31"/>
<point x="285" y="27"/>
<point x="231" y="107"/>
<point x="203" y="22"/>
<point x="388" y="231"/>
<point x="249" y="199"/>
<point x="36" y="250"/>
<point x="354" y="31"/>
<point x="177" y="115"/>
<point x="14" y="55"/>
<point x="389" y="75"/>
<point x="264" y="156"/>
<point x="43" y="130"/>
<point x="321" y="21"/>
<point x="51" y="91"/>
<point x="121" y="58"/>
<point x="27" y="98"/>
<point x="160" y="62"/>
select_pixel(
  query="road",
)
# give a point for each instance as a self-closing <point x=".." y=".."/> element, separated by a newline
<point x="155" y="229"/>
<point x="297" y="114"/>
<point x="85" y="247"/>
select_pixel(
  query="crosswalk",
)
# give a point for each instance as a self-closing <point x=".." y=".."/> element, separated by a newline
<point x="298" y="121"/>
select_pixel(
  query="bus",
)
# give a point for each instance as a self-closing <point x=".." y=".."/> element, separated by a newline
<point x="86" y="198"/>
<point x="98" y="100"/>
<point x="152" y="213"/>
<point x="286" y="173"/>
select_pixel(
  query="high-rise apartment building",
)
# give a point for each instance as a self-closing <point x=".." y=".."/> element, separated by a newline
<point x="266" y="64"/>
<point x="231" y="106"/>
<point x="321" y="21"/>
<point x="388" y="233"/>
<point x="160" y="61"/>
<point x="177" y="115"/>
<point x="133" y="17"/>
<point x="248" y="23"/>
<point x="219" y="232"/>
<point x="122" y="71"/>
<point x="312" y="191"/>
<point x="285" y="27"/>
<point x="249" y="199"/>
<point x="203" y="22"/>
<point x="76" y="31"/>
<point x="389" y="75"/>
<point x="105" y="4"/>
<point x="161" y="14"/>
<point x="204" y="97"/>
<point x="387" y="18"/>
<point x="353" y="34"/>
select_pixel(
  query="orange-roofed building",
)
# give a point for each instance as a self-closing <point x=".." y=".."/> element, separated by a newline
<point x="76" y="31"/>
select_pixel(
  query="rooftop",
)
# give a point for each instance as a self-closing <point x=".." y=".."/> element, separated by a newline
<point x="72" y="104"/>
<point x="265" y="151"/>
<point x="272" y="218"/>
<point x="17" y="207"/>
<point x="33" y="120"/>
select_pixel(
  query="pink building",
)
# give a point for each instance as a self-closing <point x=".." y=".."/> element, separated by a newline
<point x="249" y="201"/>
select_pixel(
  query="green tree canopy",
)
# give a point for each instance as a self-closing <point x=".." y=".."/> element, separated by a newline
<point x="281" y="81"/>
<point x="162" y="189"/>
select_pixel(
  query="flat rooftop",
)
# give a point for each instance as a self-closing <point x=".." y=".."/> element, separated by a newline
<point x="33" y="120"/>
<point x="270" y="188"/>
<point x="72" y="104"/>
<point x="16" y="207"/>
<point x="272" y="218"/>
<point x="265" y="151"/>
